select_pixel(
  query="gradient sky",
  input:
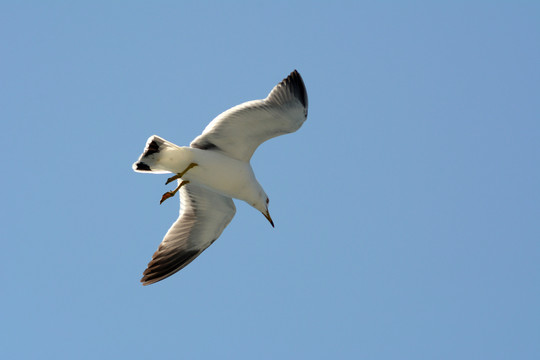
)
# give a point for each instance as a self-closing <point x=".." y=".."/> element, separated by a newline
<point x="407" y="207"/>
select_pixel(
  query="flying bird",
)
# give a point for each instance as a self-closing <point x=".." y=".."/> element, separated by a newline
<point x="216" y="168"/>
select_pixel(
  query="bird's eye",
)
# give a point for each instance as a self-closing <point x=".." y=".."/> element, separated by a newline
<point x="267" y="200"/>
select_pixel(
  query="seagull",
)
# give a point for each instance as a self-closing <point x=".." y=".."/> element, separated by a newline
<point x="214" y="169"/>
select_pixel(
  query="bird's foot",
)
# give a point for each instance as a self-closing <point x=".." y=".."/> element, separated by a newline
<point x="170" y="194"/>
<point x="179" y="175"/>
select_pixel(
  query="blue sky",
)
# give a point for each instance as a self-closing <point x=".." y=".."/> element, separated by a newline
<point x="407" y="207"/>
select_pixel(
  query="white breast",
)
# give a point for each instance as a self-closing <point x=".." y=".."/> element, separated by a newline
<point x="225" y="175"/>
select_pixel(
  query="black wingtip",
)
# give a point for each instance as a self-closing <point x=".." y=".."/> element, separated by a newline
<point x="164" y="265"/>
<point x="295" y="82"/>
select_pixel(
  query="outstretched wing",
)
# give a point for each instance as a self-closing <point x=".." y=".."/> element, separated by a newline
<point x="238" y="131"/>
<point x="204" y="215"/>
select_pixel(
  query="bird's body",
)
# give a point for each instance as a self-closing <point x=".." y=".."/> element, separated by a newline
<point x="215" y="168"/>
<point x="234" y="178"/>
<point x="215" y="171"/>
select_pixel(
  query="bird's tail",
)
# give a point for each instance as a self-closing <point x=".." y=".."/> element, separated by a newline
<point x="154" y="158"/>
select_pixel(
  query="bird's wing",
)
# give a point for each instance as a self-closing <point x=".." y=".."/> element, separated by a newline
<point x="204" y="215"/>
<point x="238" y="131"/>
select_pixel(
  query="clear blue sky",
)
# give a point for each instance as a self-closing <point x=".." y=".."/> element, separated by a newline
<point x="407" y="207"/>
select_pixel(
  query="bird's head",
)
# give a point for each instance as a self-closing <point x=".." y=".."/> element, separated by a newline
<point x="262" y="206"/>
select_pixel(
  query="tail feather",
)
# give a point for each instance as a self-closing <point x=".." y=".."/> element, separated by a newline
<point x="153" y="152"/>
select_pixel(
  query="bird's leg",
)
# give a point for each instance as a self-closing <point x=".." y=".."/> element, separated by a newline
<point x="179" y="175"/>
<point x="170" y="194"/>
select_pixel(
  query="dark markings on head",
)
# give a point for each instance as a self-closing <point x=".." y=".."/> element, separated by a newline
<point x="143" y="167"/>
<point x="153" y="148"/>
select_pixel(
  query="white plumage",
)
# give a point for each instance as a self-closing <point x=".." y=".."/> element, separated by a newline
<point x="218" y="169"/>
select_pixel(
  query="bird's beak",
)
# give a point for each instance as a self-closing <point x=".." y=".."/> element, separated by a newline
<point x="267" y="216"/>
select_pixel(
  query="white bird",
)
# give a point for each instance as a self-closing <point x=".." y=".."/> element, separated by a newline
<point x="214" y="169"/>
